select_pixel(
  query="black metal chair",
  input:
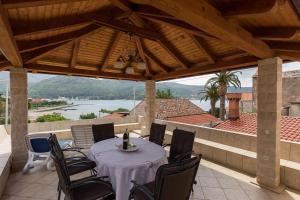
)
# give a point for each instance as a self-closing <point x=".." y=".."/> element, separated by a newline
<point x="181" y="145"/>
<point x="74" y="165"/>
<point x="157" y="133"/>
<point x="172" y="182"/>
<point x="87" y="188"/>
<point x="103" y="131"/>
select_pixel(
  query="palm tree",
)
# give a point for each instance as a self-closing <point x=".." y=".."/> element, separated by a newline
<point x="210" y="92"/>
<point x="222" y="81"/>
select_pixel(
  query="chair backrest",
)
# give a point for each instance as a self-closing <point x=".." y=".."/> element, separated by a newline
<point x="82" y="136"/>
<point x="60" y="164"/>
<point x="38" y="143"/>
<point x="157" y="133"/>
<point x="103" y="131"/>
<point x="175" y="181"/>
<point x="182" y="143"/>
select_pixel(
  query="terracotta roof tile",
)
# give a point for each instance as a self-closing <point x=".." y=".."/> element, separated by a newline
<point x="194" y="119"/>
<point x="247" y="124"/>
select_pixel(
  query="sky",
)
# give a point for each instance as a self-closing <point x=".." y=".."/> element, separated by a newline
<point x="245" y="76"/>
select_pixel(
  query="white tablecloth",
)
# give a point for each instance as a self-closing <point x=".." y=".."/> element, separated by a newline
<point x="122" y="167"/>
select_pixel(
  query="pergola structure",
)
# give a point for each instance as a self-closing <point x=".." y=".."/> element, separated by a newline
<point x="175" y="38"/>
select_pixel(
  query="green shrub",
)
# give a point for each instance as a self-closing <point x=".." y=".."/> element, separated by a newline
<point x="51" y="118"/>
<point x="117" y="110"/>
<point x="88" y="116"/>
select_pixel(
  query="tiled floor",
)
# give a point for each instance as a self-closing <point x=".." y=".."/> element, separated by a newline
<point x="214" y="183"/>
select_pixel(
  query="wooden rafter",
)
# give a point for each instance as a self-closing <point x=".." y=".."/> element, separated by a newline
<point x="32" y="56"/>
<point x="111" y="47"/>
<point x="75" y="51"/>
<point x="8" y="45"/>
<point x="276" y="33"/>
<point x="285" y="46"/>
<point x="210" y="21"/>
<point x="289" y="55"/>
<point x="200" y="44"/>
<point x="202" y="68"/>
<point x="32" y="3"/>
<point x="246" y="7"/>
<point x="151" y="57"/>
<point x="140" y="48"/>
<point x="80" y="72"/>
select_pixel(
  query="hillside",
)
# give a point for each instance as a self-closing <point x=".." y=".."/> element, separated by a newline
<point x="103" y="88"/>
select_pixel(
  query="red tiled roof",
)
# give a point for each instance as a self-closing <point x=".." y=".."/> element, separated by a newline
<point x="114" y="116"/>
<point x="247" y="124"/>
<point x="200" y="119"/>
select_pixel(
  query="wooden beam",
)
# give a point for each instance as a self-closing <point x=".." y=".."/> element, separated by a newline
<point x="179" y="24"/>
<point x="8" y="45"/>
<point x="75" y="51"/>
<point x="9" y="4"/>
<point x="111" y="47"/>
<point x="285" y="46"/>
<point x="151" y="57"/>
<point x="32" y="56"/>
<point x="276" y="33"/>
<point x="125" y="27"/>
<point x="200" y="44"/>
<point x="289" y="55"/>
<point x="202" y="15"/>
<point x="30" y="45"/>
<point x="203" y="68"/>
<point x="145" y="10"/>
<point x="140" y="48"/>
<point x="80" y="72"/>
<point x="23" y="28"/>
<point x="296" y="5"/>
<point x="246" y="7"/>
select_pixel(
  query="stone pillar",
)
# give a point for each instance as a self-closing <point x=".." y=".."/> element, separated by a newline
<point x="269" y="98"/>
<point x="19" y="115"/>
<point x="254" y="92"/>
<point x="150" y="93"/>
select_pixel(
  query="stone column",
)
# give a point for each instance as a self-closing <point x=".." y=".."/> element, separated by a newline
<point x="19" y="115"/>
<point x="150" y="93"/>
<point x="269" y="98"/>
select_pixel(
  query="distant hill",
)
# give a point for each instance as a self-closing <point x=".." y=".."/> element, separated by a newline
<point x="62" y="86"/>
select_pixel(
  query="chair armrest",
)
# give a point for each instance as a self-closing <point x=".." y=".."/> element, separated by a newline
<point x="74" y="150"/>
<point x="143" y="189"/>
<point x="166" y="145"/>
<point x="144" y="136"/>
<point x="117" y="136"/>
<point x="89" y="180"/>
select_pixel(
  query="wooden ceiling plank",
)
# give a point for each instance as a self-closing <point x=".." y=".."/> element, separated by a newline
<point x="201" y="69"/>
<point x="75" y="51"/>
<point x="111" y="47"/>
<point x="202" y="15"/>
<point x="151" y="57"/>
<point x="200" y="44"/>
<point x="9" y="4"/>
<point x="246" y="7"/>
<point x="35" y="55"/>
<point x="8" y="45"/>
<point x="81" y="72"/>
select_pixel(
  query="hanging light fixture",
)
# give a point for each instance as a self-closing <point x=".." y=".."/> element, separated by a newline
<point x="130" y="58"/>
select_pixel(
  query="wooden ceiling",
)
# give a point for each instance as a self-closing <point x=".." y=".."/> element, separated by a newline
<point x="175" y="38"/>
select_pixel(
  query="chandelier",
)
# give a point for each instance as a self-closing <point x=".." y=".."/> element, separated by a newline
<point x="130" y="58"/>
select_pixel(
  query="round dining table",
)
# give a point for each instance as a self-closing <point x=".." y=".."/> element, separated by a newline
<point x="122" y="167"/>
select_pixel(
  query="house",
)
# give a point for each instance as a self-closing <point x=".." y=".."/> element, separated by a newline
<point x="177" y="110"/>
<point x="247" y="123"/>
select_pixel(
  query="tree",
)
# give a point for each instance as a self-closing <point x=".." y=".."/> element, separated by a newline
<point x="210" y="92"/>
<point x="222" y="81"/>
<point x="161" y="94"/>
<point x="88" y="116"/>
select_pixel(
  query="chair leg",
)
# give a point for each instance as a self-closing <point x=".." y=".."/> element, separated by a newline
<point x="59" y="194"/>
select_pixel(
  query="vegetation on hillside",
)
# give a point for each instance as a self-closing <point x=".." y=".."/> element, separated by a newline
<point x="112" y="111"/>
<point x="88" y="116"/>
<point x="164" y="94"/>
<point x="51" y="118"/>
<point x="222" y="81"/>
